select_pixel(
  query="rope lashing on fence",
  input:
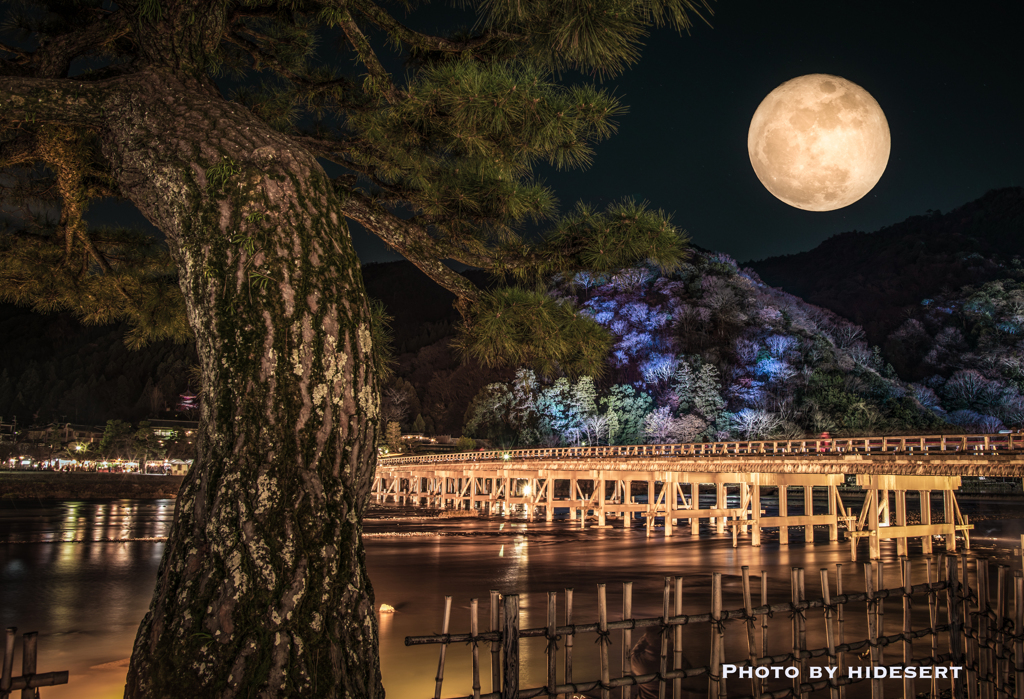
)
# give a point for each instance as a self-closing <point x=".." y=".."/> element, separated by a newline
<point x="986" y="644"/>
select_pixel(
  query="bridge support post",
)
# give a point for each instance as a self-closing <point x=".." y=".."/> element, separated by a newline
<point x="808" y="512"/>
<point x="783" y="514"/>
<point x="572" y="497"/>
<point x="695" y="505"/>
<point x="925" y="497"/>
<point x="947" y="517"/>
<point x="901" y="521"/>
<point x="549" y="512"/>
<point x="720" y="500"/>
<point x="755" y="512"/>
<point x="833" y="504"/>
<point x="669" y="489"/>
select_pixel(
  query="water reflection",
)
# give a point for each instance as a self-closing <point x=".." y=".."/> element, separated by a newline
<point x="82" y="573"/>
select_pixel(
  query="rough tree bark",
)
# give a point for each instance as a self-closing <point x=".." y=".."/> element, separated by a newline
<point x="262" y="590"/>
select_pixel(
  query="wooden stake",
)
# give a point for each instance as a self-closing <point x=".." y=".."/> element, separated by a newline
<point x="971" y="641"/>
<point x="603" y="640"/>
<point x="830" y="635"/>
<point x="717" y="686"/>
<point x="877" y="689"/>
<point x="764" y="622"/>
<point x="954" y="617"/>
<point x="801" y="627"/>
<point x="677" y="640"/>
<point x="933" y="622"/>
<point x="748" y="607"/>
<point x="908" y="645"/>
<point x="8" y="669"/>
<point x="627" y="634"/>
<point x="444" y="647"/>
<point x="663" y="666"/>
<point x="510" y="648"/>
<point x="474" y="629"/>
<point x="839" y="624"/>
<point x="1002" y="668"/>
<point x="1018" y="630"/>
<point x="880" y="604"/>
<point x="569" y="636"/>
<point x="984" y="650"/>
<point x="551" y="651"/>
<point x="495" y="645"/>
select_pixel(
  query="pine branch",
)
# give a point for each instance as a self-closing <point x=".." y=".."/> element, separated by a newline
<point x="398" y="31"/>
<point x="412" y="242"/>
<point x="55" y="101"/>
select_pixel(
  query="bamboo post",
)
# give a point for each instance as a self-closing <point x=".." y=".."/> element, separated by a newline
<point x="569" y="636"/>
<point x="1001" y="667"/>
<point x="474" y="630"/>
<point x="751" y="642"/>
<point x="908" y="644"/>
<point x="28" y="662"/>
<point x="764" y="623"/>
<point x="663" y="665"/>
<point x="840" y="624"/>
<point x="970" y="639"/>
<point x="1018" y="630"/>
<point x="627" y="634"/>
<point x="877" y="690"/>
<point x="677" y="639"/>
<point x="8" y="669"/>
<point x="444" y="647"/>
<point x="880" y="604"/>
<point x="984" y="653"/>
<point x="495" y="645"/>
<point x="551" y="652"/>
<point x="717" y="682"/>
<point x="954" y="617"/>
<point x="801" y="627"/>
<point x="933" y="622"/>
<point x="830" y="636"/>
<point x="603" y="640"/>
<point x="510" y="648"/>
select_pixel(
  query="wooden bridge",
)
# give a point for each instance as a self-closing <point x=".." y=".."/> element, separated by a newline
<point x="599" y="482"/>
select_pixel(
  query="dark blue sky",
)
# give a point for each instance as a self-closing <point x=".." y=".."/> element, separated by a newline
<point x="949" y="76"/>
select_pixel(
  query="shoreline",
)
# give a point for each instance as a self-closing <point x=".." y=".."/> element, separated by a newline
<point x="71" y="485"/>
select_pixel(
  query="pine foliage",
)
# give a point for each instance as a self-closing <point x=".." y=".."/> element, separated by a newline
<point x="437" y="159"/>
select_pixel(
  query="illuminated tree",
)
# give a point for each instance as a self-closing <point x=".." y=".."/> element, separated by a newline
<point x="263" y="589"/>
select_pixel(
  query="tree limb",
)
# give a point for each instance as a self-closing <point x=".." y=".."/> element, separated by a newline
<point x="54" y="101"/>
<point x="413" y="243"/>
<point x="383" y="19"/>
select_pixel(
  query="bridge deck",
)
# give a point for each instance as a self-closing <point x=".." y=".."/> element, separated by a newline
<point x="503" y="481"/>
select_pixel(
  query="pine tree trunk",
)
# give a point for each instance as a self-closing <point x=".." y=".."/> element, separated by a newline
<point x="262" y="591"/>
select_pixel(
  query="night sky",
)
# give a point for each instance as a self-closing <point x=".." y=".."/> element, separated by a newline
<point x="948" y="76"/>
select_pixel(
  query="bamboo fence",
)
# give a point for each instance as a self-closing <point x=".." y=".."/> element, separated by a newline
<point x="29" y="681"/>
<point x="965" y="628"/>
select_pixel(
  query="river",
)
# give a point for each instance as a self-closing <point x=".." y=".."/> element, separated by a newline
<point x="82" y="573"/>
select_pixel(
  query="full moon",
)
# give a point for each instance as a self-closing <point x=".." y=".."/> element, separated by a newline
<point x="819" y="142"/>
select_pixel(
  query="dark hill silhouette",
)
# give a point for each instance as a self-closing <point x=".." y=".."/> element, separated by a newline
<point x="876" y="279"/>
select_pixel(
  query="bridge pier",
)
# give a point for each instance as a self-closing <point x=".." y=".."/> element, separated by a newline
<point x="874" y="518"/>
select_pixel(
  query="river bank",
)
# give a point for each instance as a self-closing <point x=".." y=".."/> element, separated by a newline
<point x="71" y="485"/>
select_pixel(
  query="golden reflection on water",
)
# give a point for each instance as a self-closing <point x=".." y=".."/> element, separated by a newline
<point x="87" y="599"/>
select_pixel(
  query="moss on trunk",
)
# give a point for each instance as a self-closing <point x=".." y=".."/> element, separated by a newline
<point x="262" y="590"/>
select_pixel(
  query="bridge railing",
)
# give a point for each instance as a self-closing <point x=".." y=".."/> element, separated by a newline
<point x="973" y="443"/>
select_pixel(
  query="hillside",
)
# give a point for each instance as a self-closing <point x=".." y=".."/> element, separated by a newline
<point x="874" y="279"/>
<point x="706" y="352"/>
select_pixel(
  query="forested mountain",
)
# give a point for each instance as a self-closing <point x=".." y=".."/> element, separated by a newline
<point x="706" y="352"/>
<point x="876" y="279"/>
